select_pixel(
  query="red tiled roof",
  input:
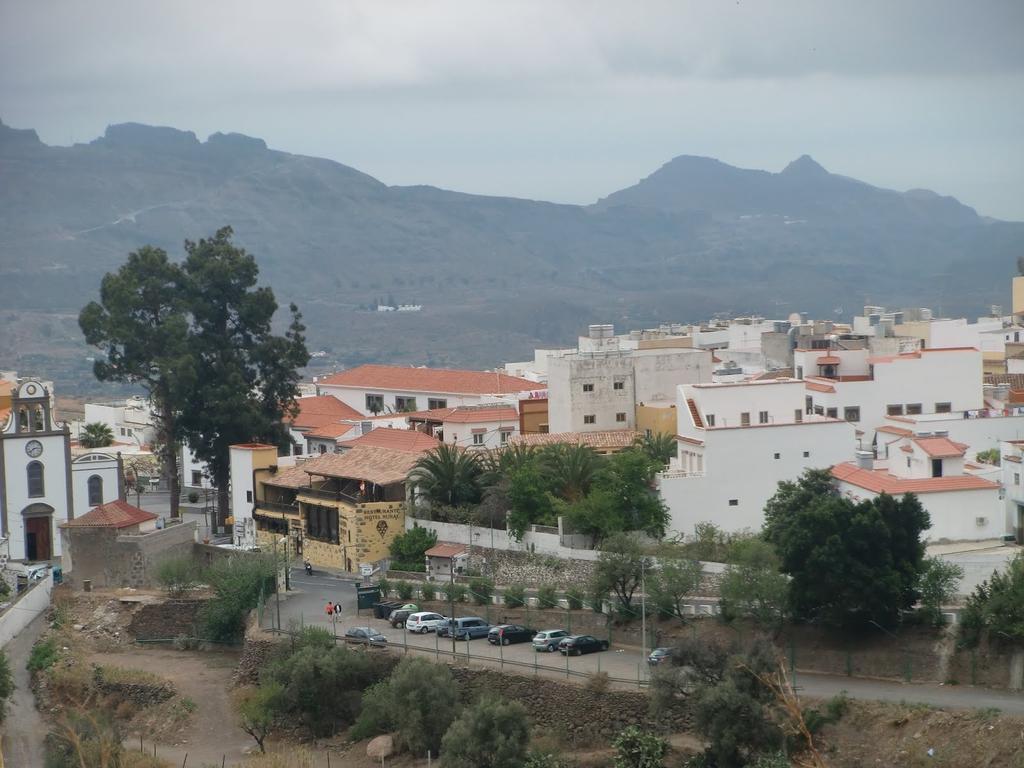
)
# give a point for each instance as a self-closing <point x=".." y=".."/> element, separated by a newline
<point x="317" y="411"/>
<point x="434" y="414"/>
<point x="880" y="481"/>
<point x="113" y="514"/>
<point x="829" y="360"/>
<point x="940" y="447"/>
<point x="892" y="430"/>
<point x="446" y="549"/>
<point x="410" y="440"/>
<point x="383" y="466"/>
<point x="330" y="431"/>
<point x="444" y="380"/>
<point x="472" y="415"/>
<point x="292" y="477"/>
<point x="694" y="413"/>
<point x="816" y="387"/>
<point x="690" y="440"/>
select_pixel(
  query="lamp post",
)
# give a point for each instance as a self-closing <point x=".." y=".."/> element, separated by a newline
<point x="643" y="609"/>
<point x="451" y="601"/>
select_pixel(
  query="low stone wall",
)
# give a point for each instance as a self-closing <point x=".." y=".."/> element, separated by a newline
<point x="139" y="694"/>
<point x="581" y="714"/>
<point x="166" y="620"/>
<point x="532" y="569"/>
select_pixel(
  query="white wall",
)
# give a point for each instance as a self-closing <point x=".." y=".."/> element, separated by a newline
<point x="355" y="397"/>
<point x="953" y="514"/>
<point x="85" y="467"/>
<point x="30" y="604"/>
<point x="242" y="490"/>
<point x="189" y="465"/>
<point x="461" y="433"/>
<point x="781" y="398"/>
<point x="55" y="486"/>
<point x="740" y="465"/>
<point x="568" y="404"/>
<point x="491" y="538"/>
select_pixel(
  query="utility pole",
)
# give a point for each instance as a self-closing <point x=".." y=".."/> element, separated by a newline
<point x="451" y="602"/>
<point x="643" y="610"/>
<point x="277" y="589"/>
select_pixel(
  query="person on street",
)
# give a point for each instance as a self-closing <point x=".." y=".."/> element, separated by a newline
<point x="329" y="609"/>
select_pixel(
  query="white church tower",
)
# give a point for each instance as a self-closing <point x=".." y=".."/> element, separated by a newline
<point x="35" y="475"/>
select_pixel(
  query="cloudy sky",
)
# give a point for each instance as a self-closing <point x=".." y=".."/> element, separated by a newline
<point x="563" y="101"/>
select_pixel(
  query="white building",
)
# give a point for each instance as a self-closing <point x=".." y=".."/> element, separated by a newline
<point x="1012" y="470"/>
<point x="383" y="389"/>
<point x="963" y="506"/>
<point x="96" y="478"/>
<point x="35" y="474"/>
<point x="130" y="421"/>
<point x="736" y="443"/>
<point x="868" y="391"/>
<point x="479" y="427"/>
<point x="599" y="390"/>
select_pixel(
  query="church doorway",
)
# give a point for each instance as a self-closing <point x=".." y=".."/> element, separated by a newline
<point x="38" y="532"/>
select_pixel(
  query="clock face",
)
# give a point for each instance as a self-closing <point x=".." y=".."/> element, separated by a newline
<point x="34" y="448"/>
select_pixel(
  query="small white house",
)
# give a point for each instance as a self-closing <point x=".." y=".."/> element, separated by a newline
<point x="963" y="505"/>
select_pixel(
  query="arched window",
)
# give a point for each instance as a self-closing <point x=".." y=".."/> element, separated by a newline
<point x="23" y="419"/>
<point x="35" y="480"/>
<point x="95" y="491"/>
<point x="38" y="423"/>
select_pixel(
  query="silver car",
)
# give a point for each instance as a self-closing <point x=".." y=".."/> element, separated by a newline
<point x="549" y="639"/>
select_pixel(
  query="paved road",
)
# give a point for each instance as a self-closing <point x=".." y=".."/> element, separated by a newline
<point x="944" y="696"/>
<point x="304" y="602"/>
<point x="23" y="728"/>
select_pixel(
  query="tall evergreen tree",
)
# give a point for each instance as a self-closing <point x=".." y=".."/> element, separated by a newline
<point x="140" y="326"/>
<point x="248" y="377"/>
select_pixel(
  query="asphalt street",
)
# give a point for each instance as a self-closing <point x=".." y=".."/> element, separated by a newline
<point x="305" y="604"/>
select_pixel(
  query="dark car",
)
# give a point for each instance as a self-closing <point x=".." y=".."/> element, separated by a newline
<point x="398" y="616"/>
<point x="383" y="609"/>
<point x="659" y="656"/>
<point x="365" y="636"/>
<point x="577" y="645"/>
<point x="507" y="634"/>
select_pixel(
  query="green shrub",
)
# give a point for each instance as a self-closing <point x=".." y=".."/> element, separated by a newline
<point x="237" y="583"/>
<point x="6" y="684"/>
<point x="193" y="497"/>
<point x="547" y="596"/>
<point x="837" y="706"/>
<point x="492" y="733"/>
<point x="596" y="597"/>
<point x="454" y="592"/>
<point x="43" y="656"/>
<point x="427" y="591"/>
<point x="385" y="587"/>
<point x="481" y="591"/>
<point x="407" y="549"/>
<point x="429" y="703"/>
<point x="404" y="590"/>
<point x="544" y="760"/>
<point x="635" y="748"/>
<point x="574" y="597"/>
<point x="376" y="714"/>
<point x="515" y="596"/>
<point x="177" y="575"/>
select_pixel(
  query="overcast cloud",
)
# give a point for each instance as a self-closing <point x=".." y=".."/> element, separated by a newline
<point x="563" y="101"/>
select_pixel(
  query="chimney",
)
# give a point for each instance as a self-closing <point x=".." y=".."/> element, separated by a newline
<point x="865" y="460"/>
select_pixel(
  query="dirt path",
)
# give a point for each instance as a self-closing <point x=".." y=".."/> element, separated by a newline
<point x="203" y="677"/>
<point x="24" y="728"/>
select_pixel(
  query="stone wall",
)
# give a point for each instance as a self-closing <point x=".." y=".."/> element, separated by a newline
<point x="109" y="560"/>
<point x="582" y="714"/>
<point x="139" y="694"/>
<point x="166" y="621"/>
<point x="531" y="569"/>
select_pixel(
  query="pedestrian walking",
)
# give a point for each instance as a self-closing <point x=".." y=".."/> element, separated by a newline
<point x="337" y="609"/>
<point x="329" y="609"/>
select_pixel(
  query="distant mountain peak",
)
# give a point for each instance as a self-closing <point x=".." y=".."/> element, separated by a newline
<point x="805" y="166"/>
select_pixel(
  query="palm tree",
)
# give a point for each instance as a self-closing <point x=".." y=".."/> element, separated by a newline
<point x="448" y="475"/>
<point x="502" y="462"/>
<point x="660" y="446"/>
<point x="572" y="468"/>
<point x="96" y="434"/>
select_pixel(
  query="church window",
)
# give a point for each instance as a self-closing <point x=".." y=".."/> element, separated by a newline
<point x="95" y="491"/>
<point x="37" y="419"/>
<point x="35" y="480"/>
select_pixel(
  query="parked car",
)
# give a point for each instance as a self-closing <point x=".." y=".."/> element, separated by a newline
<point x="659" y="656"/>
<point x="424" y="621"/>
<point x="577" y="645"/>
<point x="509" y="633"/>
<point x="398" y="617"/>
<point x="365" y="636"/>
<point x="548" y="640"/>
<point x="464" y="628"/>
<point x="383" y="609"/>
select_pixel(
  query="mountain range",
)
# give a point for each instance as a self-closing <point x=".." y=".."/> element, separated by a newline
<point x="495" y="276"/>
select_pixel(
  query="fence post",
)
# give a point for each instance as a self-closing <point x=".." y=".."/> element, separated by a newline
<point x="437" y="646"/>
<point x="568" y="621"/>
<point x="638" y="676"/>
<point x="405" y="640"/>
<point x="566" y="663"/>
<point x="501" y="655"/>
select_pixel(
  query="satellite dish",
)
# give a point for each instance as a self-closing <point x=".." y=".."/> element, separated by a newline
<point x="794" y="318"/>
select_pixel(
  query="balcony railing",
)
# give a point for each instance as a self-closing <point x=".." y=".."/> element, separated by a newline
<point x="278" y="506"/>
<point x="672" y="474"/>
<point x="328" y="495"/>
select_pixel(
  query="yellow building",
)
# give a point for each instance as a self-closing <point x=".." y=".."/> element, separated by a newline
<point x="339" y="510"/>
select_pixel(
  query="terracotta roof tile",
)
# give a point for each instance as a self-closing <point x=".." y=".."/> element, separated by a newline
<point x="446" y="549"/>
<point x="316" y="411"/>
<point x="292" y="477"/>
<point x="612" y="438"/>
<point x="443" y="380"/>
<point x="410" y="440"/>
<point x="113" y="514"/>
<point x="492" y="414"/>
<point x="829" y="360"/>
<point x="893" y="430"/>
<point x="880" y="481"/>
<point x="383" y="466"/>
<point x="818" y="387"/>
<point x="330" y="431"/>
<point x="940" y="447"/>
